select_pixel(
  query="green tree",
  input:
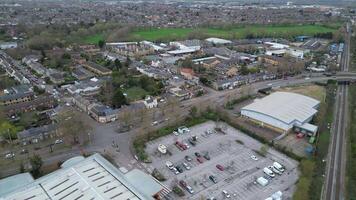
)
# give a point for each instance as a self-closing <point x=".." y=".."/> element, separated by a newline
<point x="8" y="131"/>
<point x="101" y="43"/>
<point x="119" y="99"/>
<point x="117" y="64"/>
<point x="36" y="164"/>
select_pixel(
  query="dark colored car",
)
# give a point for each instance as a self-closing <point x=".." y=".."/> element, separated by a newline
<point x="179" y="168"/>
<point x="183" y="184"/>
<point x="192" y="142"/>
<point x="213" y="178"/>
<point x="220" y="167"/>
<point x="200" y="160"/>
<point x="206" y="156"/>
<point x="197" y="154"/>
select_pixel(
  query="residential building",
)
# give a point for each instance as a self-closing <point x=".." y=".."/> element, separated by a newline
<point x="40" y="102"/>
<point x="8" y="45"/>
<point x="34" y="135"/>
<point x="16" y="94"/>
<point x="102" y="113"/>
<point x="188" y="73"/>
<point x="86" y="87"/>
<point x="150" y="102"/>
<point x="97" y="69"/>
<point x="80" y="73"/>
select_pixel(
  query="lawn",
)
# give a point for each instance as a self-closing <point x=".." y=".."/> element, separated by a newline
<point x="135" y="93"/>
<point x="286" y="31"/>
<point x="93" y="39"/>
<point x="314" y="91"/>
<point x="351" y="147"/>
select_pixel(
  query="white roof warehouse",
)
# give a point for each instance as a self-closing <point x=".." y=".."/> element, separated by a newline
<point x="83" y="178"/>
<point x="282" y="111"/>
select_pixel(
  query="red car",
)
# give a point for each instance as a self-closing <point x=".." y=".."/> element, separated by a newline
<point x="183" y="184"/>
<point x="300" y="135"/>
<point x="220" y="167"/>
<point x="200" y="159"/>
<point x="180" y="146"/>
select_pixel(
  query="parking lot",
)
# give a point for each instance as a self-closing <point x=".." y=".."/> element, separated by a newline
<point x="233" y="151"/>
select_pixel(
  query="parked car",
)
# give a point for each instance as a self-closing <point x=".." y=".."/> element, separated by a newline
<point x="268" y="172"/>
<point x="9" y="155"/>
<point x="183" y="129"/>
<point x="206" y="156"/>
<point x="278" y="166"/>
<point x="179" y="168"/>
<point x="197" y="154"/>
<point x="175" y="133"/>
<point x="182" y="183"/>
<point x="200" y="160"/>
<point x="186" y="166"/>
<point x="192" y="142"/>
<point x="188" y="158"/>
<point x="274" y="170"/>
<point x="169" y="165"/>
<point x="175" y="171"/>
<point x="220" y="167"/>
<point x="58" y="141"/>
<point x="189" y="189"/>
<point x="253" y="157"/>
<point x="226" y="194"/>
<point x="213" y="179"/>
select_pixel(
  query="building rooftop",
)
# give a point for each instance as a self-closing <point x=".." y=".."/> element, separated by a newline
<point x="285" y="106"/>
<point x="85" y="178"/>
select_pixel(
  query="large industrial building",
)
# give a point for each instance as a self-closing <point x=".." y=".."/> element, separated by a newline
<point x="84" y="178"/>
<point x="283" y="111"/>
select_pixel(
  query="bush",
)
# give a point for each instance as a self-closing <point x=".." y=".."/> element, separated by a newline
<point x="178" y="191"/>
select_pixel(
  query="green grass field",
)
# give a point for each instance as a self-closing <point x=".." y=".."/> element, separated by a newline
<point x="135" y="93"/>
<point x="93" y="39"/>
<point x="285" y="31"/>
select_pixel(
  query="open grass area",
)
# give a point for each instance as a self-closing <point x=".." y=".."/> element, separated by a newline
<point x="93" y="39"/>
<point x="314" y="91"/>
<point x="135" y="93"/>
<point x="285" y="31"/>
<point x="351" y="147"/>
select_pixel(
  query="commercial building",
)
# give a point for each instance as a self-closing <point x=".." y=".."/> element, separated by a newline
<point x="84" y="178"/>
<point x="283" y="111"/>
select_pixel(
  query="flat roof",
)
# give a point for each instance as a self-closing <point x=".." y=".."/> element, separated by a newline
<point x="89" y="178"/>
<point x="285" y="106"/>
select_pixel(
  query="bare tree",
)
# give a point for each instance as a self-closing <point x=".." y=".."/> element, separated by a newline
<point x="71" y="124"/>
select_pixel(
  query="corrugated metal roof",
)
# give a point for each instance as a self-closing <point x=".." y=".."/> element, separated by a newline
<point x="91" y="178"/>
<point x="285" y="106"/>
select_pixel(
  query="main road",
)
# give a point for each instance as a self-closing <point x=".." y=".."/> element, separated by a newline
<point x="334" y="188"/>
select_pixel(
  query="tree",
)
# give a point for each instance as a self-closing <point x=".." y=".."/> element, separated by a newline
<point x="117" y="64"/>
<point x="193" y="111"/>
<point x="126" y="117"/>
<point x="101" y="43"/>
<point x="7" y="130"/>
<point x="36" y="164"/>
<point x="22" y="168"/>
<point x="70" y="124"/>
<point x="119" y="99"/>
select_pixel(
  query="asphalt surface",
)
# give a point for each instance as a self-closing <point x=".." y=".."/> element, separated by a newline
<point x="334" y="188"/>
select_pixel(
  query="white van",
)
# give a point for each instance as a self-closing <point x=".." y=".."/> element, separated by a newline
<point x="278" y="166"/>
<point x="268" y="172"/>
